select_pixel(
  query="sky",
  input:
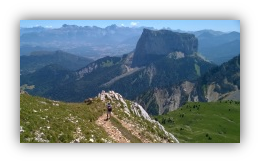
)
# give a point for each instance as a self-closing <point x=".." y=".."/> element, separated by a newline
<point x="186" y="25"/>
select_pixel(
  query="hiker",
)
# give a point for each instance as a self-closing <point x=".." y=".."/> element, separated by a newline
<point x="109" y="110"/>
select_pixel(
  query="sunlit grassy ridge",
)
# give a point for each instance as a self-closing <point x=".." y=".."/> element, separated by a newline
<point x="44" y="120"/>
<point x="214" y="122"/>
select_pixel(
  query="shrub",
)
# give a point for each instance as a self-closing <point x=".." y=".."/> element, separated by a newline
<point x="170" y="120"/>
<point x="163" y="121"/>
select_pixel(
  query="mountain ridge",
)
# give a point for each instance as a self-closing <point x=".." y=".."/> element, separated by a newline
<point x="219" y="83"/>
<point x="40" y="59"/>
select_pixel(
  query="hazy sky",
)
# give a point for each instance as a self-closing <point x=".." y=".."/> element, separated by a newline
<point x="186" y="25"/>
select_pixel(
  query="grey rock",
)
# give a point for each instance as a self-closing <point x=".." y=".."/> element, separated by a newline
<point x="154" y="44"/>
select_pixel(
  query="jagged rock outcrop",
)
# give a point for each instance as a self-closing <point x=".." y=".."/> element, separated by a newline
<point x="155" y="44"/>
<point x="133" y="109"/>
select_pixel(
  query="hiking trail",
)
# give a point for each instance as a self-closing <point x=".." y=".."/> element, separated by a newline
<point x="130" y="123"/>
<point x="111" y="130"/>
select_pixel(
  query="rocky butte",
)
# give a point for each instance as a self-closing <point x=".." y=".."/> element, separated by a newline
<point x="153" y="45"/>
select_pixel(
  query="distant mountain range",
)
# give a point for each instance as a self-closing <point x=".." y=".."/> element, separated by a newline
<point x="95" y="42"/>
<point x="219" y="48"/>
<point x="85" y="41"/>
<point x="159" y="74"/>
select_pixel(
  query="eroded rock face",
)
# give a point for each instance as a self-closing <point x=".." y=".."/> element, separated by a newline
<point x="154" y="44"/>
<point x="167" y="101"/>
<point x="88" y="69"/>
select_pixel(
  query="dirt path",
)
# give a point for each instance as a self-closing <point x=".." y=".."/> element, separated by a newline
<point x="111" y="130"/>
<point x="134" y="130"/>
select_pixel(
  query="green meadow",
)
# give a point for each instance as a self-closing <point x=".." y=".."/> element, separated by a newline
<point x="197" y="122"/>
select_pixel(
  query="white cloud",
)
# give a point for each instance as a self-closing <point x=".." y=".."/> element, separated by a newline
<point x="48" y="26"/>
<point x="122" y="25"/>
<point x="134" y="23"/>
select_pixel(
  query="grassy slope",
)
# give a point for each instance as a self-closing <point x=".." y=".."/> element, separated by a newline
<point x="44" y="120"/>
<point x="217" y="122"/>
<point x="63" y="123"/>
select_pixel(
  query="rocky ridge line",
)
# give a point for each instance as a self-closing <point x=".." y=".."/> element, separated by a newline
<point x="134" y="108"/>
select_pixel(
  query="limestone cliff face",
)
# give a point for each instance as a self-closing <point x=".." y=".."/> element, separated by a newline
<point x="173" y="99"/>
<point x="154" y="44"/>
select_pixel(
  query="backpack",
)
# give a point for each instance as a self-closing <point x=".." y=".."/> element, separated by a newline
<point x="109" y="107"/>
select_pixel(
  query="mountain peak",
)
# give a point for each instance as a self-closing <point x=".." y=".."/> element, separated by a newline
<point x="69" y="26"/>
<point x="153" y="44"/>
<point x="113" y="26"/>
